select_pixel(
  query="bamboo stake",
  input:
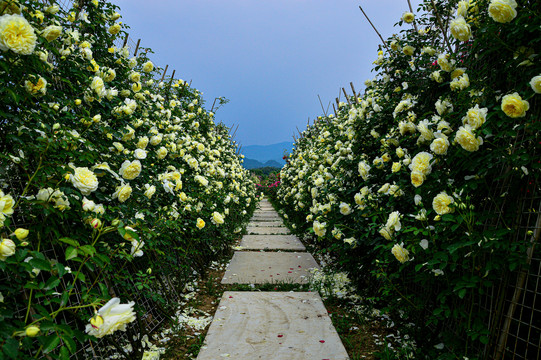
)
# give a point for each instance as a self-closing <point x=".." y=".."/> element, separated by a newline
<point x="163" y="75"/>
<point x="337" y="103"/>
<point x="347" y="98"/>
<point x="125" y="40"/>
<point x="411" y="10"/>
<point x="324" y="112"/>
<point x="172" y="76"/>
<point x="137" y="47"/>
<point x="354" y="93"/>
<point x="376" y="30"/>
<point x="443" y="30"/>
<point x="334" y="109"/>
<point x="235" y="133"/>
<point x="214" y="103"/>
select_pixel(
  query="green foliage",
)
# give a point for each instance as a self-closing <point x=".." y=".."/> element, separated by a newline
<point x="400" y="189"/>
<point x="109" y="170"/>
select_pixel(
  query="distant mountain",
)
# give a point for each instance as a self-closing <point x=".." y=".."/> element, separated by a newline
<point x="263" y="153"/>
<point x="254" y="164"/>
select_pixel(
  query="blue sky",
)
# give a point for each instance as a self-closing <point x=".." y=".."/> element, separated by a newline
<point x="270" y="58"/>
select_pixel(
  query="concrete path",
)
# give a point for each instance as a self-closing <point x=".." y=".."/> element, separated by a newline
<point x="271" y="325"/>
<point x="274" y="242"/>
<point x="275" y="325"/>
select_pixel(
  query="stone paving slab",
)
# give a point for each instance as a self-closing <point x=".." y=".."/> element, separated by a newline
<point x="270" y="230"/>
<point x="265" y="213"/>
<point x="269" y="216"/>
<point x="256" y="267"/>
<point x="272" y="325"/>
<point x="266" y="223"/>
<point x="271" y="242"/>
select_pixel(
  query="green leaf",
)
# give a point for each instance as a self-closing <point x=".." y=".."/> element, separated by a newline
<point x="52" y="283"/>
<point x="69" y="241"/>
<point x="49" y="342"/>
<point x="88" y="250"/>
<point x="462" y="293"/>
<point x="71" y="253"/>
<point x="64" y="353"/>
<point x="11" y="348"/>
<point x="40" y="264"/>
<point x="69" y="343"/>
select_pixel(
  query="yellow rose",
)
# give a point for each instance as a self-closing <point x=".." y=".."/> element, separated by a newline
<point x="393" y="222"/>
<point x="466" y="138"/>
<point x="421" y="163"/>
<point x="21" y="233"/>
<point x="142" y="143"/>
<point x="114" y="29"/>
<point x="149" y="190"/>
<point x="85" y="180"/>
<point x="460" y="29"/>
<point x="535" y="83"/>
<point x="6" y="204"/>
<point x="408" y="17"/>
<point x="385" y="233"/>
<point x="111" y="317"/>
<point x="441" y="203"/>
<point x="200" y="223"/>
<point x="475" y="117"/>
<point x="7" y="248"/>
<point x="502" y="11"/>
<point x="513" y="105"/>
<point x="135" y="76"/>
<point x="136" y="87"/>
<point x="130" y="170"/>
<point x="98" y="86"/>
<point x="17" y="34"/>
<point x="122" y="192"/>
<point x="417" y="178"/>
<point x="217" y="218"/>
<point x="400" y="253"/>
<point x="444" y="63"/>
<point x="32" y="331"/>
<point x="51" y="32"/>
<point x="161" y="153"/>
<point x="440" y="145"/>
<point x="38" y="88"/>
<point x="460" y="83"/>
<point x="408" y="50"/>
<point x="319" y="228"/>
<point x="396" y="167"/>
<point x="148" y="66"/>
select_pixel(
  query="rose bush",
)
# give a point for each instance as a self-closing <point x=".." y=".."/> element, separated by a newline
<point x="109" y="176"/>
<point x="437" y="161"/>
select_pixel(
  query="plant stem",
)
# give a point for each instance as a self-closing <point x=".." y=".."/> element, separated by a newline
<point x="32" y="177"/>
<point x="443" y="31"/>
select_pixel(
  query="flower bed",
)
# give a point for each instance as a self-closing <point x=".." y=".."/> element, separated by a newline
<point x="117" y="187"/>
<point x="426" y="188"/>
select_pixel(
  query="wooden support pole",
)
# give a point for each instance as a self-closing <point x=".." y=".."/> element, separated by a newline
<point x="376" y="30"/>
<point x="443" y="29"/>
<point x="172" y="76"/>
<point x="347" y="98"/>
<point x="354" y="93"/>
<point x="125" y="40"/>
<point x="321" y="103"/>
<point x="137" y="47"/>
<point x="334" y="109"/>
<point x="163" y="75"/>
<point x="214" y="103"/>
<point x="337" y="103"/>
